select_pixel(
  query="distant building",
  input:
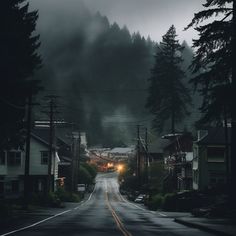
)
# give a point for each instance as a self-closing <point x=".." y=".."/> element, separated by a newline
<point x="178" y="158"/>
<point x="121" y="153"/>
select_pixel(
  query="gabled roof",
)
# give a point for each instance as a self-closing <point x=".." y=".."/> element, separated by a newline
<point x="215" y="136"/>
<point x="122" y="150"/>
<point x="41" y="135"/>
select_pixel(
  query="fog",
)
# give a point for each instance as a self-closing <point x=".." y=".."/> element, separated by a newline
<point x="149" y="17"/>
<point x="98" y="67"/>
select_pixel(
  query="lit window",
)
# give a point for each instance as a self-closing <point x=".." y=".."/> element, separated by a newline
<point x="44" y="157"/>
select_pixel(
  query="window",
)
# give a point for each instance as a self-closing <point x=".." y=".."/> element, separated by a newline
<point x="2" y="158"/>
<point x="14" y="158"/>
<point x="44" y="157"/>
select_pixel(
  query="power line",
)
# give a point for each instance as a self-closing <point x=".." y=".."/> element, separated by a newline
<point x="100" y="91"/>
<point x="12" y="104"/>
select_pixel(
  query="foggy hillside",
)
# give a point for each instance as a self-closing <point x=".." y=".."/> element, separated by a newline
<point x="100" y="72"/>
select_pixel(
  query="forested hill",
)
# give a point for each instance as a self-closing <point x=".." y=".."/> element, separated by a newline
<point x="100" y="71"/>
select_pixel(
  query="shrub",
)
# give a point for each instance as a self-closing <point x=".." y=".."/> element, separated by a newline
<point x="65" y="196"/>
<point x="75" y="197"/>
<point x="155" y="202"/>
<point x="53" y="200"/>
<point x="84" y="176"/>
<point x="169" y="202"/>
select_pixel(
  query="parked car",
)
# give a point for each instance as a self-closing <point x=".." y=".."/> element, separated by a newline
<point x="140" y="198"/>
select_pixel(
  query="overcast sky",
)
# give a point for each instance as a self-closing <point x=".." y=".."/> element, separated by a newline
<point x="149" y="17"/>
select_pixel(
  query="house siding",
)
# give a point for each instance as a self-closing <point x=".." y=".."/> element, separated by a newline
<point x="207" y="171"/>
<point x="36" y="168"/>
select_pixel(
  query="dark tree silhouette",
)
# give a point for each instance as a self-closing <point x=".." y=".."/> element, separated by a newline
<point x="213" y="59"/>
<point x="18" y="61"/>
<point x="168" y="97"/>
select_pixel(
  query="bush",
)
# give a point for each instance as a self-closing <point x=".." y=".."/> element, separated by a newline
<point x="75" y="197"/>
<point x="65" y="196"/>
<point x="53" y="200"/>
<point x="84" y="176"/>
<point x="91" y="169"/>
<point x="169" y="202"/>
<point x="155" y="202"/>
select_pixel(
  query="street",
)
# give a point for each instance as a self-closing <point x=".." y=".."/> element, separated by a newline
<point x="106" y="212"/>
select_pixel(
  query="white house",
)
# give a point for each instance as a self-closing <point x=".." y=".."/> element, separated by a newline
<point x="12" y="166"/>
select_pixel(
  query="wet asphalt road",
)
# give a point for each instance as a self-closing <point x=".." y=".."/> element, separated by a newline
<point x="106" y="212"/>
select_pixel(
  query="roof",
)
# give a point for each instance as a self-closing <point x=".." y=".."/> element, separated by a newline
<point x="122" y="150"/>
<point x="41" y="135"/>
<point x="215" y="136"/>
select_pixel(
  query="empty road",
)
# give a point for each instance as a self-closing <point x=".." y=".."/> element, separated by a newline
<point x="106" y="212"/>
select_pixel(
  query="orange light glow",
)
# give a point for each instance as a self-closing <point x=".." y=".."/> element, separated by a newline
<point x="120" y="168"/>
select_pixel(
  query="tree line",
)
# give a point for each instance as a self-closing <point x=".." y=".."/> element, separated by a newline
<point x="113" y="67"/>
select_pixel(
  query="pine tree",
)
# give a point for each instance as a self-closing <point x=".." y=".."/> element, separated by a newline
<point x="213" y="59"/>
<point x="168" y="97"/>
<point x="18" y="61"/>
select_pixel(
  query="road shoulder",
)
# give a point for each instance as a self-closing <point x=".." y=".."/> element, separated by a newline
<point x="223" y="227"/>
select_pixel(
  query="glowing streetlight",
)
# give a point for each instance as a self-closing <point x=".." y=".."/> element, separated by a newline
<point x="120" y="168"/>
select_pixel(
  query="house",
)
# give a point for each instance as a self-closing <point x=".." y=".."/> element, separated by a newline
<point x="12" y="166"/>
<point x="39" y="156"/>
<point x="121" y="153"/>
<point x="210" y="158"/>
<point x="178" y="156"/>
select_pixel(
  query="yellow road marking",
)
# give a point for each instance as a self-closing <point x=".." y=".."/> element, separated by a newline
<point x="117" y="219"/>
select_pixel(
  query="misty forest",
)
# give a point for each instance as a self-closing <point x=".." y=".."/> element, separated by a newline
<point x="99" y="113"/>
<point x="101" y="75"/>
<point x="100" y="72"/>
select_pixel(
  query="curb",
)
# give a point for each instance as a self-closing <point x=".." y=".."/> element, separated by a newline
<point x="202" y="227"/>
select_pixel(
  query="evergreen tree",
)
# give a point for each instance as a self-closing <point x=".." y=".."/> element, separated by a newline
<point x="168" y="97"/>
<point x="213" y="59"/>
<point x="18" y="61"/>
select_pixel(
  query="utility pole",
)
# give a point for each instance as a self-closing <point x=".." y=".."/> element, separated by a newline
<point x="75" y="159"/>
<point x="27" y="152"/>
<point x="147" y="157"/>
<point x="138" y="155"/>
<point x="51" y="115"/>
<point x="51" y="157"/>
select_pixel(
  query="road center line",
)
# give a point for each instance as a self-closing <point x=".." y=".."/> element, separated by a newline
<point x="119" y="224"/>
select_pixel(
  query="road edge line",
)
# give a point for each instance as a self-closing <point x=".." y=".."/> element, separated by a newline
<point x="34" y="224"/>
